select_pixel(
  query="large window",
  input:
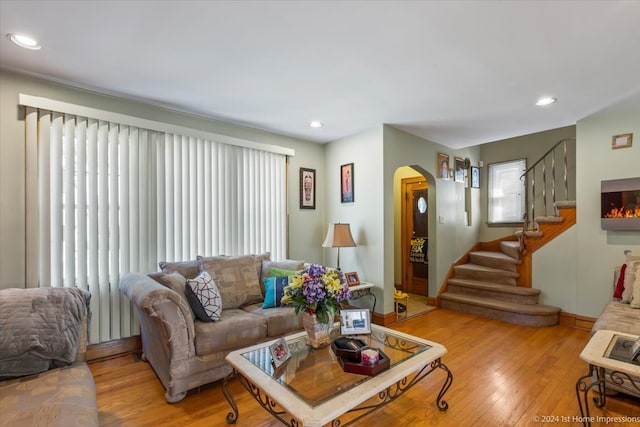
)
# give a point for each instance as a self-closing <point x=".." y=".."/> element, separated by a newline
<point x="506" y="192"/>
<point x="106" y="198"/>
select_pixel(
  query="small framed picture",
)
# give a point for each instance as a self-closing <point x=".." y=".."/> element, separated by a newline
<point x="346" y="183"/>
<point x="459" y="169"/>
<point x="622" y="141"/>
<point x="355" y="321"/>
<point x="352" y="278"/>
<point x="443" y="166"/>
<point x="307" y="188"/>
<point x="279" y="352"/>
<point x="475" y="177"/>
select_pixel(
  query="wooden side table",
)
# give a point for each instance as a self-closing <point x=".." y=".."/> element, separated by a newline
<point x="396" y="305"/>
<point x="597" y="354"/>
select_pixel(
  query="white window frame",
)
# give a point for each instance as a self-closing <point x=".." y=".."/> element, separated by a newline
<point x="506" y="193"/>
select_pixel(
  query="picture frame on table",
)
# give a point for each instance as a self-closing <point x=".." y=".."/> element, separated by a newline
<point x="458" y="169"/>
<point x="352" y="278"/>
<point x="475" y="177"/>
<point x="307" y="188"/>
<point x="346" y="183"/>
<point x="443" y="166"/>
<point x="355" y="322"/>
<point x="279" y="352"/>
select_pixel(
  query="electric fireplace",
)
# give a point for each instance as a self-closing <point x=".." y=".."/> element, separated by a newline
<point x="620" y="204"/>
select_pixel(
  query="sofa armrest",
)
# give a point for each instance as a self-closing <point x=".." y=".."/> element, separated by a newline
<point x="165" y="320"/>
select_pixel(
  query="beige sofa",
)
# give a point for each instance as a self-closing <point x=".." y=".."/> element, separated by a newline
<point x="622" y="317"/>
<point x="43" y="344"/>
<point x="186" y="352"/>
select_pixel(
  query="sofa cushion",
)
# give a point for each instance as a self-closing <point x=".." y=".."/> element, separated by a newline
<point x="189" y="269"/>
<point x="176" y="282"/>
<point x="204" y="298"/>
<point x="287" y="264"/>
<point x="236" y="329"/>
<point x="274" y="287"/>
<point x="236" y="278"/>
<point x="620" y="317"/>
<point x="59" y="397"/>
<point x="280" y="320"/>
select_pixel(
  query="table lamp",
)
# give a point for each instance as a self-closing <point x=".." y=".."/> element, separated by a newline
<point x="339" y="236"/>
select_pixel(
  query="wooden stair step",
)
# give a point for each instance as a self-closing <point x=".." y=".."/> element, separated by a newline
<point x="530" y="233"/>
<point x="520" y="314"/>
<point x="494" y="259"/>
<point x="511" y="248"/>
<point x="484" y="273"/>
<point x="565" y="204"/>
<point x="549" y="219"/>
<point x="494" y="290"/>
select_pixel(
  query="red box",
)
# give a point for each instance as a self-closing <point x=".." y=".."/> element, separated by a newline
<point x="359" y="368"/>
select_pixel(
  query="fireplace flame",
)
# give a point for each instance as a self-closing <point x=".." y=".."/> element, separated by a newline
<point x="623" y="213"/>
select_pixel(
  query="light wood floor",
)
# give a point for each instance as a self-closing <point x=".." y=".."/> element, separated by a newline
<point x="503" y="375"/>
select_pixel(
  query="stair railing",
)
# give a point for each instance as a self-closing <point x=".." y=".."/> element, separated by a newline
<point x="539" y="199"/>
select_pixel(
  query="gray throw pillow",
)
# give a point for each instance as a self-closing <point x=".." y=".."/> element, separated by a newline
<point x="176" y="282"/>
<point x="236" y="279"/>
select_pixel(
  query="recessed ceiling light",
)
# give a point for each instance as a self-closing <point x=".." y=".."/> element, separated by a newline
<point x="546" y="100"/>
<point x="316" y="124"/>
<point x="24" y="41"/>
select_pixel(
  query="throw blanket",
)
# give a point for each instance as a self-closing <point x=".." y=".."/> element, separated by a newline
<point x="40" y="328"/>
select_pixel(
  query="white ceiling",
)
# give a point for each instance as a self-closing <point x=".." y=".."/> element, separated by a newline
<point x="457" y="73"/>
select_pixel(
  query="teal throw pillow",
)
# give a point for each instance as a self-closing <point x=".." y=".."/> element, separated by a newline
<point x="274" y="290"/>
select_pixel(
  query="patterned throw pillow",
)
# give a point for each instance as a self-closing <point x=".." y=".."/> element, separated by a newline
<point x="204" y="298"/>
<point x="274" y="290"/>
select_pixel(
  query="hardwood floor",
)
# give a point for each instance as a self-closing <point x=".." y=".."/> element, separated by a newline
<point x="503" y="375"/>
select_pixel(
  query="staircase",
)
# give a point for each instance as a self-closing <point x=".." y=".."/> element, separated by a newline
<point x="494" y="280"/>
<point x="487" y="286"/>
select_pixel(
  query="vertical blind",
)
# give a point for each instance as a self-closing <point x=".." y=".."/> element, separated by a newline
<point x="114" y="198"/>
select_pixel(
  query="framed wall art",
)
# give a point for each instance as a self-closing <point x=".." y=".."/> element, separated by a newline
<point x="475" y="177"/>
<point x="622" y="141"/>
<point x="307" y="188"/>
<point x="459" y="169"/>
<point x="443" y="166"/>
<point x="346" y="183"/>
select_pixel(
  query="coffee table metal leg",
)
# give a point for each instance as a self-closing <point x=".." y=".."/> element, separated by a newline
<point x="232" y="417"/>
<point x="442" y="404"/>
<point x="582" y="392"/>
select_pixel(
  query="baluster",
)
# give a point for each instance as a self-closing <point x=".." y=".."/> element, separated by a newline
<point x="544" y="186"/>
<point x="533" y="197"/>
<point x="566" y="184"/>
<point x="553" y="179"/>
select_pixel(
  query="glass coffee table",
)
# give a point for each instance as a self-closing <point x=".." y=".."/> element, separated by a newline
<point x="311" y="389"/>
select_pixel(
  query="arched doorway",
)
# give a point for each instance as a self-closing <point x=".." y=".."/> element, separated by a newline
<point x="415" y="203"/>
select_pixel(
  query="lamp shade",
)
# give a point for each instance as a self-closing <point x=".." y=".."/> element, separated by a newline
<point x="339" y="236"/>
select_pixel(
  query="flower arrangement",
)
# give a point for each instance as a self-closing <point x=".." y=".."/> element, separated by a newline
<point x="317" y="290"/>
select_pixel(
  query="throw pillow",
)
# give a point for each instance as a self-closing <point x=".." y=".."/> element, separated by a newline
<point x="274" y="287"/>
<point x="635" y="297"/>
<point x="188" y="269"/>
<point x="204" y="298"/>
<point x="617" y="293"/>
<point x="236" y="279"/>
<point x="629" y="278"/>
<point x="176" y="282"/>
<point x="281" y="272"/>
<point x="287" y="264"/>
